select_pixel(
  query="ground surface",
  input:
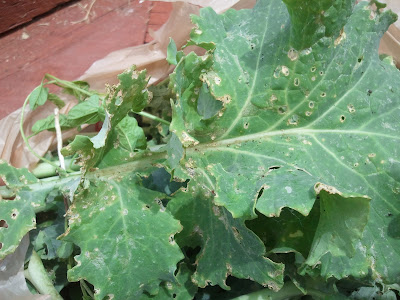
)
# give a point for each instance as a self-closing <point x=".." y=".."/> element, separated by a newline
<point x="63" y="44"/>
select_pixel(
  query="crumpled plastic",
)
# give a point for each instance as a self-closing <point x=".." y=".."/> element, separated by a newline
<point x="390" y="43"/>
<point x="12" y="280"/>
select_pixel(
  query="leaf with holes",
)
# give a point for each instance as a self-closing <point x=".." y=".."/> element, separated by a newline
<point x="125" y="234"/>
<point x="18" y="212"/>
<point x="305" y="99"/>
<point x="227" y="246"/>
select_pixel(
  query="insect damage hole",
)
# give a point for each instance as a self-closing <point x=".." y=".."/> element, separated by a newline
<point x="282" y="109"/>
<point x="171" y="239"/>
<point x="246" y="125"/>
<point x="3" y="223"/>
<point x="260" y="192"/>
<point x="342" y="118"/>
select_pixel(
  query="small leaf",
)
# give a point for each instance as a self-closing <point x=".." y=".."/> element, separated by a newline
<point x="342" y="220"/>
<point x="207" y="106"/>
<point x="171" y="52"/>
<point x="56" y="100"/>
<point x="18" y="214"/>
<point x="175" y="151"/>
<point x="71" y="90"/>
<point x="99" y="140"/>
<point x="38" y="97"/>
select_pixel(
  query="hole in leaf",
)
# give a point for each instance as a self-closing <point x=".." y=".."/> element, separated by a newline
<point x="342" y="118"/>
<point x="282" y="109"/>
<point x="246" y="125"/>
<point x="360" y="59"/>
<point x="369" y="92"/>
<point x="260" y="192"/>
<point x="174" y="296"/>
<point x="3" y="223"/>
<point x="323" y="94"/>
<point x="274" y="168"/>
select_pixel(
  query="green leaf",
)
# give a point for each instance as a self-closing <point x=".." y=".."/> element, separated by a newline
<point x="18" y="214"/>
<point x="56" y="100"/>
<point x="171" y="52"/>
<point x="312" y="20"/>
<point x="296" y="112"/>
<point x="134" y="93"/>
<point x="44" y="238"/>
<point x="38" y="97"/>
<point x="175" y="151"/>
<point x="227" y="246"/>
<point x="130" y="94"/>
<point x="130" y="135"/>
<point x="207" y="106"/>
<point x="372" y="293"/>
<point x="126" y="235"/>
<point x="124" y="144"/>
<point x="88" y="111"/>
<point x="73" y="89"/>
<point x="341" y="224"/>
<point x="182" y="289"/>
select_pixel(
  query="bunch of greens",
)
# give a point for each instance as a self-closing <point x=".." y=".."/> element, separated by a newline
<point x="275" y="173"/>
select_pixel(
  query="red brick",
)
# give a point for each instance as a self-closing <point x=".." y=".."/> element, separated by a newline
<point x="66" y="50"/>
<point x="158" y="18"/>
<point x="18" y="12"/>
<point x="161" y="7"/>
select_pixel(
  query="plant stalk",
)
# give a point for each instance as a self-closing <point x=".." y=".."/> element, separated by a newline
<point x="37" y="275"/>
<point x="152" y="117"/>
<point x="21" y="128"/>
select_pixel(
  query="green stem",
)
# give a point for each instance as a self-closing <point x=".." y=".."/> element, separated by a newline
<point x="21" y="128"/>
<point x="44" y="170"/>
<point x="70" y="85"/>
<point x="37" y="275"/>
<point x="152" y="117"/>
<point x="85" y="288"/>
<point x="55" y="181"/>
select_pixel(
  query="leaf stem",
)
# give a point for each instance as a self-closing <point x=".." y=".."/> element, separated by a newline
<point x="37" y="275"/>
<point x="152" y="117"/>
<point x="21" y="128"/>
<point x="69" y="84"/>
<point x="85" y="288"/>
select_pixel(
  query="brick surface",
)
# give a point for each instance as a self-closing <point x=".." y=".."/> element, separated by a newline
<point x="161" y="7"/>
<point x="56" y="44"/>
<point x="61" y="45"/>
<point x="159" y="14"/>
<point x="16" y="12"/>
